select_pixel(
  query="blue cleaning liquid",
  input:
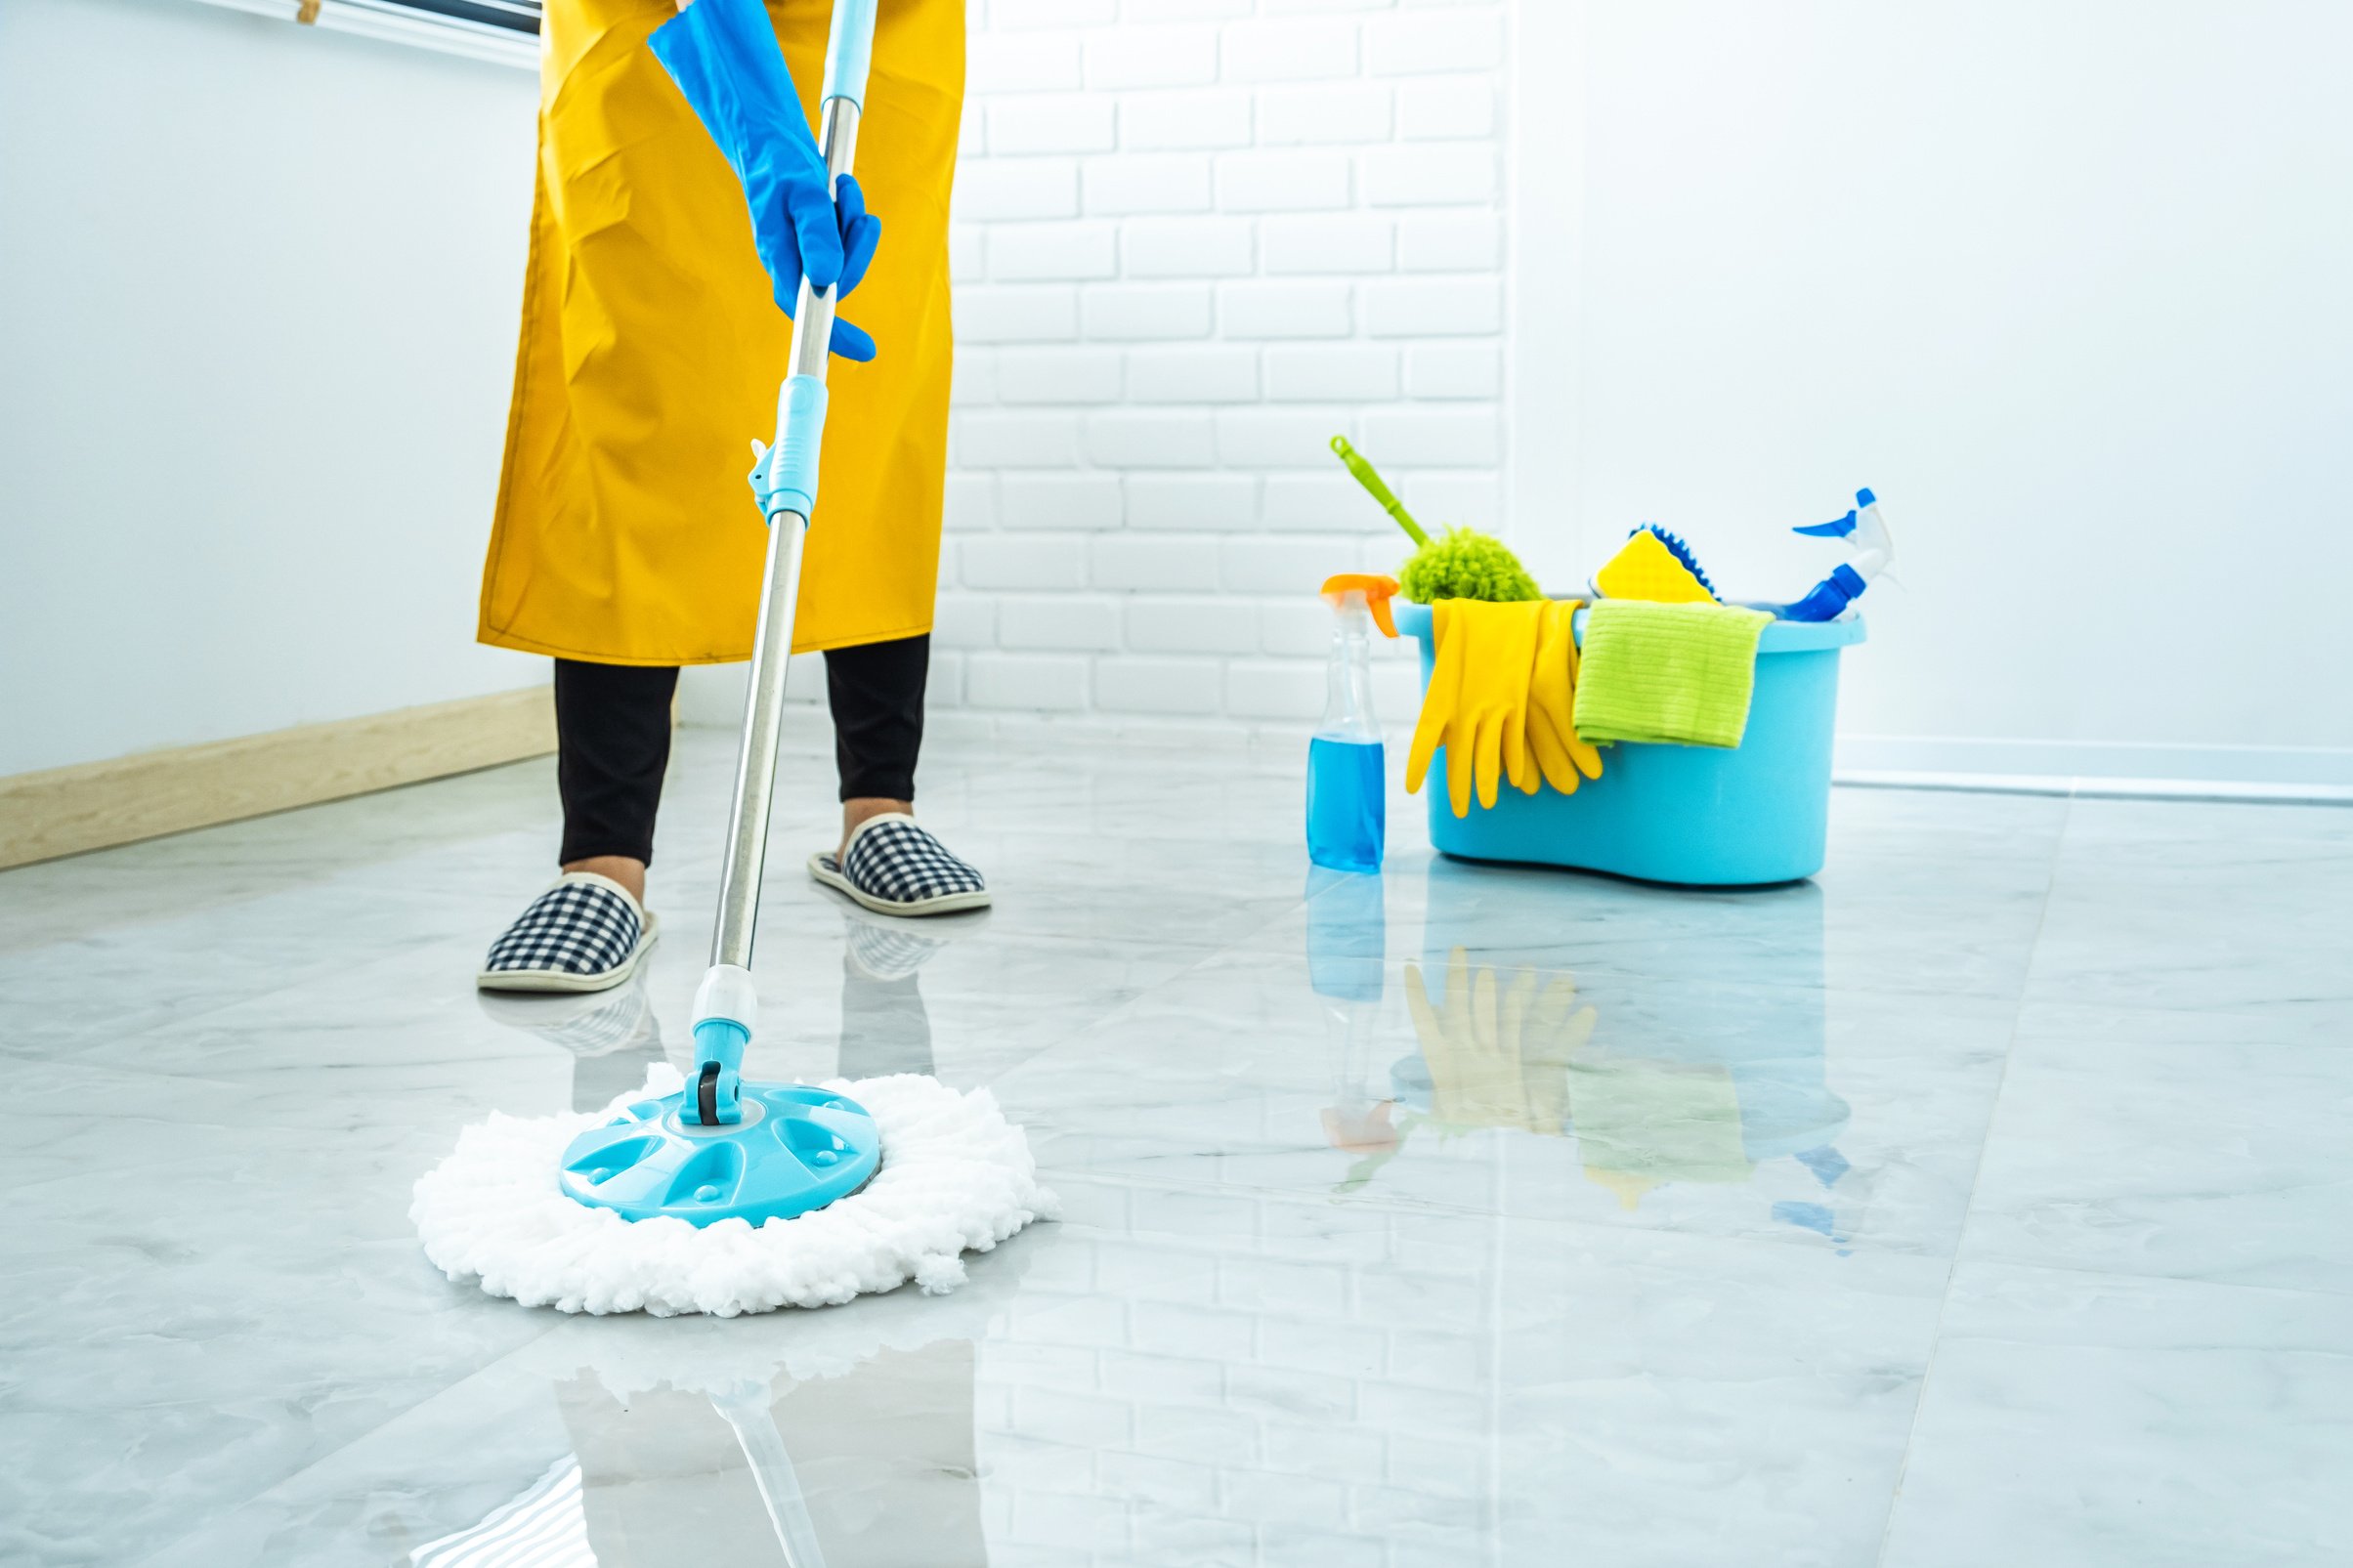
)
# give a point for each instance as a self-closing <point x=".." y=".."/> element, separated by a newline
<point x="1347" y="803"/>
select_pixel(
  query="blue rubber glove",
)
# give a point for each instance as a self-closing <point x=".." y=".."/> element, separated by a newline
<point x="724" y="58"/>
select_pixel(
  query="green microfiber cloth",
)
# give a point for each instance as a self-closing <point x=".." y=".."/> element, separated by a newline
<point x="1677" y="675"/>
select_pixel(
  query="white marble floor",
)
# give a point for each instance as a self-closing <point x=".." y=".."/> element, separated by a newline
<point x="1986" y="1201"/>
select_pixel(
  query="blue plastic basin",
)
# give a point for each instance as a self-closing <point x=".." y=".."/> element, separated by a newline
<point x="1752" y="815"/>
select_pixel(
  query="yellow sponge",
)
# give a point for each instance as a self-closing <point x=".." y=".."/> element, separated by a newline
<point x="1646" y="569"/>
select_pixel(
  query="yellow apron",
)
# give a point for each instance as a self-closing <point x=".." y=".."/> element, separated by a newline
<point x="652" y="349"/>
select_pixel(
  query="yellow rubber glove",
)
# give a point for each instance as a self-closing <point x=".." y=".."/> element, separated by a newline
<point x="1553" y="703"/>
<point x="1476" y="704"/>
<point x="1498" y="1056"/>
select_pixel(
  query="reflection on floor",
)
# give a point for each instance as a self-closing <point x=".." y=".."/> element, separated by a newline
<point x="1979" y="1202"/>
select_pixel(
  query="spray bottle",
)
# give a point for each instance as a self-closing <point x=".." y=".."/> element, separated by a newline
<point x="1347" y="777"/>
<point x="1865" y="532"/>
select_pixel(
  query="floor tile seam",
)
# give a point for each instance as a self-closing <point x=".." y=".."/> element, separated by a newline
<point x="1057" y="1039"/>
<point x="56" y="1051"/>
<point x="1965" y="1256"/>
<point x="1211" y="952"/>
<point x="1992" y="997"/>
<point x="1976" y="1170"/>
<point x="31" y="1189"/>
<point x="2136" y="1012"/>
<point x="2311" y="1293"/>
<point x="1078" y="1032"/>
<point x="2255" y="849"/>
<point x="58" y="935"/>
<point x="1207" y="955"/>
<point x="1454" y="1212"/>
<point x="343" y="977"/>
<point x="321" y="1124"/>
<point x="2336" y="1180"/>
<point x="527" y="1051"/>
<point x="675" y="929"/>
<point x="997" y="1074"/>
<point x="218" y="1513"/>
<point x="130" y="932"/>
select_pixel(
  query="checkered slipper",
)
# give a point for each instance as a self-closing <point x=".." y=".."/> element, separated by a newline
<point x="585" y="933"/>
<point x="894" y="867"/>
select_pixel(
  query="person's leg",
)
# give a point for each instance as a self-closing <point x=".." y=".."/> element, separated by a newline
<point x="612" y="745"/>
<point x="591" y="929"/>
<point x="877" y="694"/>
<point x="885" y="860"/>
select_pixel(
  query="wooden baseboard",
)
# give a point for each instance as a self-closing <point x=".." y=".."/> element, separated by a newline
<point x="66" y="811"/>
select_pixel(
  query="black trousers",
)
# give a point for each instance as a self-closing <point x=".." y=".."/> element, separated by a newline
<point x="612" y="739"/>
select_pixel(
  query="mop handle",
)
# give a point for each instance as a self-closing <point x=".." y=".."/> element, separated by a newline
<point x="848" y="52"/>
<point x="787" y="483"/>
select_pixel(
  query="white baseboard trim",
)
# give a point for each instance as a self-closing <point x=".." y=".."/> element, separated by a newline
<point x="2279" y="775"/>
<point x="95" y="805"/>
<point x="2097" y="788"/>
<point x="2313" y="774"/>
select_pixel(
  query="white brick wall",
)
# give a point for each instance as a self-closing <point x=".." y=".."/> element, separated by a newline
<point x="1194" y="239"/>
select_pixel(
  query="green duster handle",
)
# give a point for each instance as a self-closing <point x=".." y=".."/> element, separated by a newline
<point x="1380" y="492"/>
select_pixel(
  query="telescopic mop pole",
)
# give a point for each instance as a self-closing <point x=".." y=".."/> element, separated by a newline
<point x="784" y="480"/>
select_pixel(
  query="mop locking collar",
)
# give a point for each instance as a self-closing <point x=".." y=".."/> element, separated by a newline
<point x="726" y="1006"/>
<point x="784" y="477"/>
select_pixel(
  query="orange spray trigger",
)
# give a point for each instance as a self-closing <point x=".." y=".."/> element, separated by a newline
<point x="1377" y="591"/>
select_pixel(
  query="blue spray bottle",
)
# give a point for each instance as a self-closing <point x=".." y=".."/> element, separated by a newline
<point x="1347" y="774"/>
<point x="1865" y="532"/>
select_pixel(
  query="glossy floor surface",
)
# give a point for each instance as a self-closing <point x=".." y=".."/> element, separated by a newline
<point x="1986" y="1200"/>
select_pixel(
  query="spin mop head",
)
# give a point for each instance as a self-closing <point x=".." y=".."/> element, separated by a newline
<point x="955" y="1176"/>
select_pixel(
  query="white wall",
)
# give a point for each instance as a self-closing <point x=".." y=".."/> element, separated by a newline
<point x="1195" y="239"/>
<point x="2066" y="283"/>
<point x="258" y="298"/>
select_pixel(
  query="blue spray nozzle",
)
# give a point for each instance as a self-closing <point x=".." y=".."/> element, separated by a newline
<point x="1838" y="527"/>
<point x="1873" y="549"/>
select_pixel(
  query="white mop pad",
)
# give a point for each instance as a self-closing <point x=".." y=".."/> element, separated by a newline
<point x="956" y="1176"/>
